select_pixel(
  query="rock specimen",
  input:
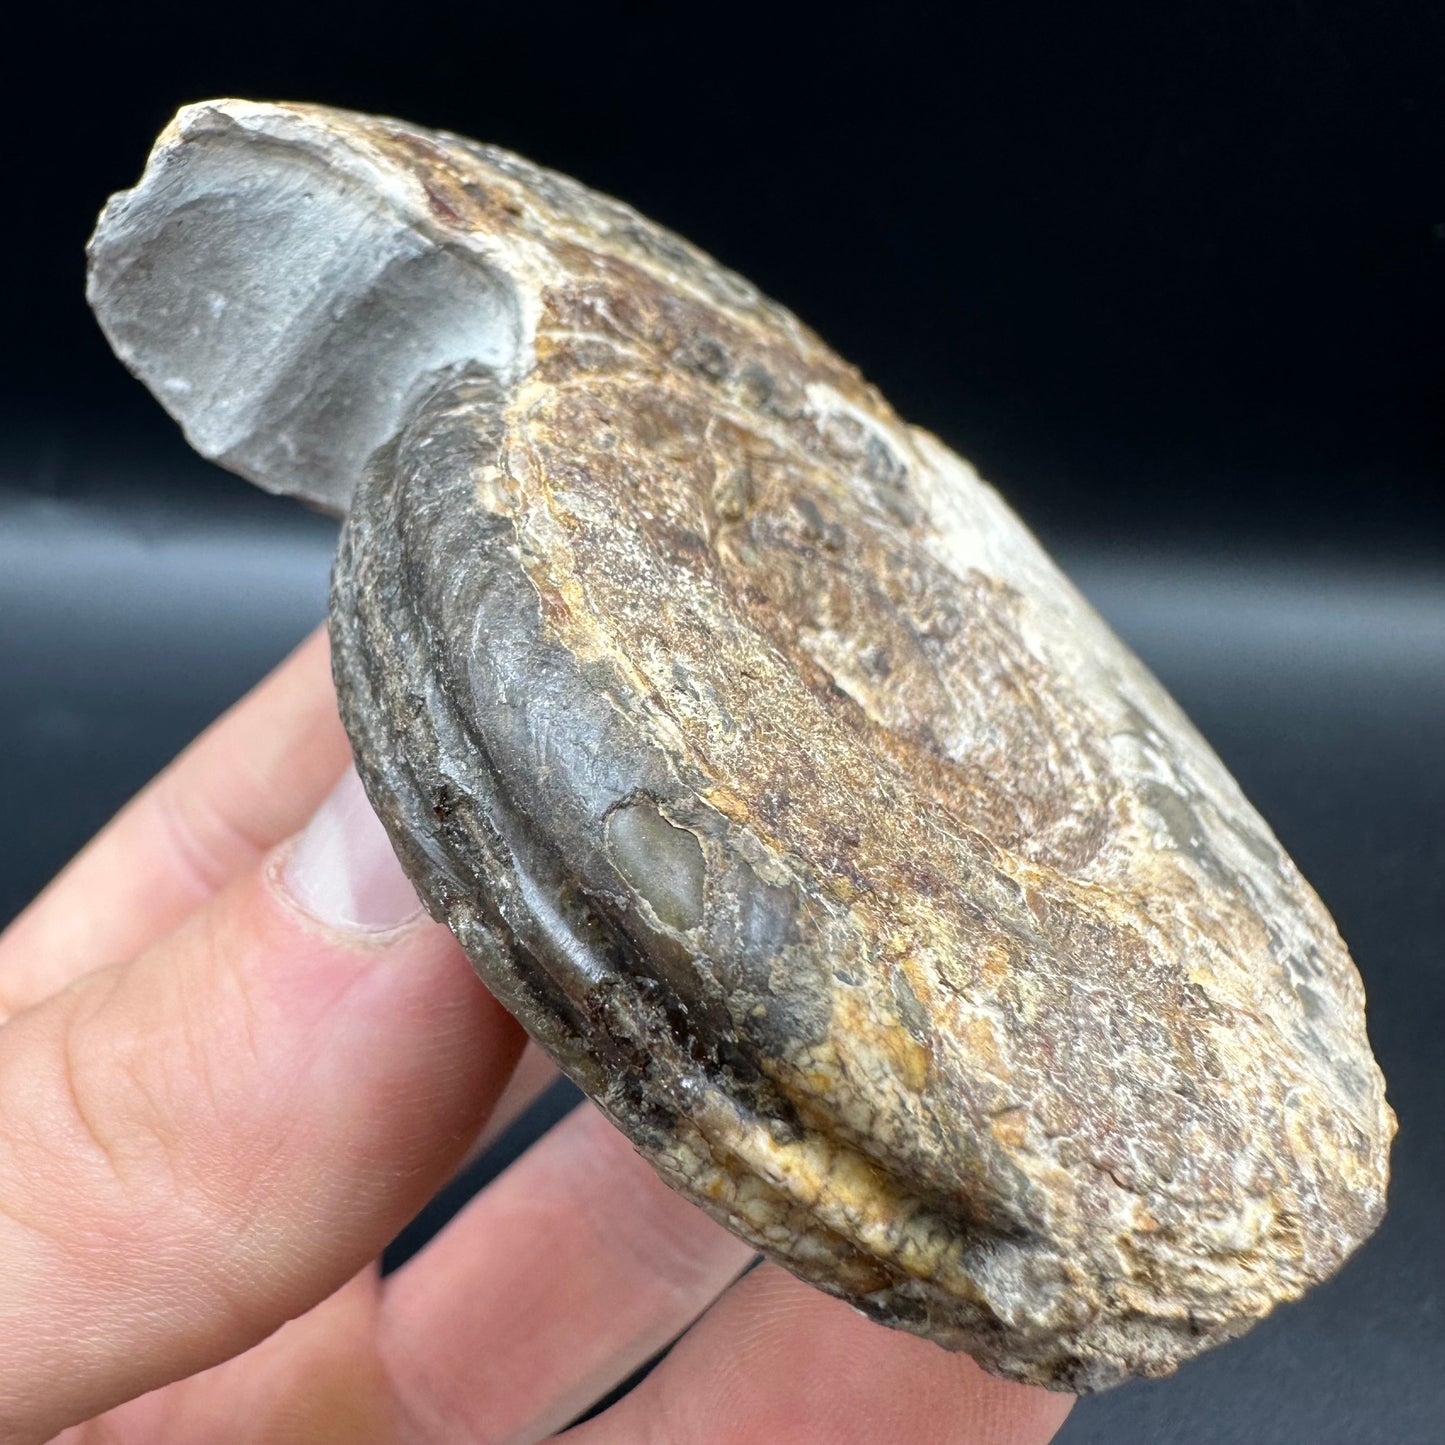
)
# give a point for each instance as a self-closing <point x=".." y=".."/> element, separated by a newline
<point x="760" y="759"/>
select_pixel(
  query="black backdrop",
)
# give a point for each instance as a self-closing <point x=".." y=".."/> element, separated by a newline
<point x="1172" y="275"/>
<point x="1212" y="229"/>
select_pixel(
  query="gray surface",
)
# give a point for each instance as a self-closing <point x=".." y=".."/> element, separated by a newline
<point x="1323" y="688"/>
<point x="279" y="312"/>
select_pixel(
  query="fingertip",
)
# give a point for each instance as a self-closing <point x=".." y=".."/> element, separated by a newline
<point x="341" y="869"/>
<point x="385" y="1032"/>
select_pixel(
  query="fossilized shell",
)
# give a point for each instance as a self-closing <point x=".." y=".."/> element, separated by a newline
<point x="760" y="759"/>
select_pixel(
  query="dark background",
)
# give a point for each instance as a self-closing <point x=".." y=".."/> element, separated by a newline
<point x="1172" y="275"/>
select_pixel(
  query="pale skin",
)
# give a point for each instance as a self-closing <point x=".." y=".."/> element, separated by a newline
<point x="218" y="1103"/>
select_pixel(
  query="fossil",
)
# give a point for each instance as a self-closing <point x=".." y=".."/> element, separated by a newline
<point x="758" y="756"/>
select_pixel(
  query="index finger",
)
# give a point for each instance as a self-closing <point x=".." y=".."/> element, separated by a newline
<point x="251" y="779"/>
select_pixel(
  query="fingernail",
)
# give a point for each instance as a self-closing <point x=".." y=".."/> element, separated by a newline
<point x="342" y="870"/>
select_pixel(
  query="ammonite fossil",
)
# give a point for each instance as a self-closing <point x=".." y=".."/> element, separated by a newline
<point x="759" y="758"/>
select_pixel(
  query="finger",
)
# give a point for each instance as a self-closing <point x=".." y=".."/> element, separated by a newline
<point x="534" y="1075"/>
<point x="250" y="780"/>
<point x="203" y="1143"/>
<point x="557" y="1281"/>
<point x="778" y="1360"/>
<point x="317" y="1379"/>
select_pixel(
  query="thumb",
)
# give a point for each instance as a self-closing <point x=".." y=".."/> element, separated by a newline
<point x="202" y="1143"/>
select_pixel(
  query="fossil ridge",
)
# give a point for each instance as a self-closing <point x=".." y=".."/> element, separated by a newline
<point x="760" y="759"/>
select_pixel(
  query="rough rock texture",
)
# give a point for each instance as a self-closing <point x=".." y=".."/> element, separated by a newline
<point x="760" y="759"/>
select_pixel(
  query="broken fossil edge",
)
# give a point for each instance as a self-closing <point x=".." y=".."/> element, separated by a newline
<point x="759" y="758"/>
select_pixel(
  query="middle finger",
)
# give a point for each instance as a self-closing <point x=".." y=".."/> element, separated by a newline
<point x="563" y="1276"/>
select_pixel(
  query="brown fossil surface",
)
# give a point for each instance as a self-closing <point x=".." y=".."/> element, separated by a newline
<point x="760" y="759"/>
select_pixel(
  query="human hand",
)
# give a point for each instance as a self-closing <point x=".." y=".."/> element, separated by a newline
<point x="231" y="1067"/>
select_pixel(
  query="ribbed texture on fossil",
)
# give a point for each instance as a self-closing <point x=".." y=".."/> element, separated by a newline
<point x="761" y="760"/>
